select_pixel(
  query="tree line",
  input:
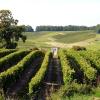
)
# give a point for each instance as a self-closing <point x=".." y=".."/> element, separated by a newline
<point x="64" y="28"/>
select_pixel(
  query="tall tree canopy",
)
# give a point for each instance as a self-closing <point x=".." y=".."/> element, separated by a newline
<point x="9" y="31"/>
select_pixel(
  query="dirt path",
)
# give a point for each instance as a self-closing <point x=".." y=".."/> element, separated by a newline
<point x="48" y="77"/>
<point x="58" y="71"/>
<point x="53" y="80"/>
<point x="24" y="79"/>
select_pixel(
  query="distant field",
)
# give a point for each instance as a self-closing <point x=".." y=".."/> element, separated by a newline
<point x="49" y="39"/>
<point x="72" y="37"/>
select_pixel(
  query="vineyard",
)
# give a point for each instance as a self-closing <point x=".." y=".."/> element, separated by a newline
<point x="40" y="74"/>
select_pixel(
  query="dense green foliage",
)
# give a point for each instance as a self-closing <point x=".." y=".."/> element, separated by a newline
<point x="93" y="57"/>
<point x="38" y="78"/>
<point x="9" y="31"/>
<point x="89" y="72"/>
<point x="12" y="74"/>
<point x="12" y="58"/>
<point x="67" y="92"/>
<point x="73" y="62"/>
<point x="84" y="89"/>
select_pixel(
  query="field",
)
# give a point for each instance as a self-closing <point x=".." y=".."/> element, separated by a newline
<point x="58" y="39"/>
<point x="36" y="74"/>
<point x="27" y="73"/>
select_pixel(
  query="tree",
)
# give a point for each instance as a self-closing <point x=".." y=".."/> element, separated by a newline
<point x="9" y="31"/>
<point x="98" y="28"/>
<point x="29" y="28"/>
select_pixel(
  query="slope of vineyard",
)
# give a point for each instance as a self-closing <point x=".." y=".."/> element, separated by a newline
<point x="24" y="73"/>
<point x="11" y="59"/>
<point x="81" y="63"/>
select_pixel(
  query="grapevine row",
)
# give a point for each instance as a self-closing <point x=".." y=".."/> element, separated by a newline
<point x="66" y="69"/>
<point x="89" y="72"/>
<point x="38" y="78"/>
<point x="10" y="76"/>
<point x="10" y="59"/>
<point x="93" y="57"/>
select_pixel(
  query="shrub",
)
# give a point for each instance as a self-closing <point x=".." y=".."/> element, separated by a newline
<point x="78" y="48"/>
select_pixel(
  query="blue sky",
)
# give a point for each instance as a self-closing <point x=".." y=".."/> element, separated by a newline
<point x="54" y="12"/>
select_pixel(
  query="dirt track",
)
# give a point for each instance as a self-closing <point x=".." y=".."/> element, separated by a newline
<point x="52" y="81"/>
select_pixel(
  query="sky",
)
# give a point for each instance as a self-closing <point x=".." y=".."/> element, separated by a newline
<point x="54" y="12"/>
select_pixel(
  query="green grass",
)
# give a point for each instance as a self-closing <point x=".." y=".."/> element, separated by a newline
<point x="40" y="39"/>
<point x="72" y="37"/>
<point x="97" y="92"/>
<point x="77" y="96"/>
